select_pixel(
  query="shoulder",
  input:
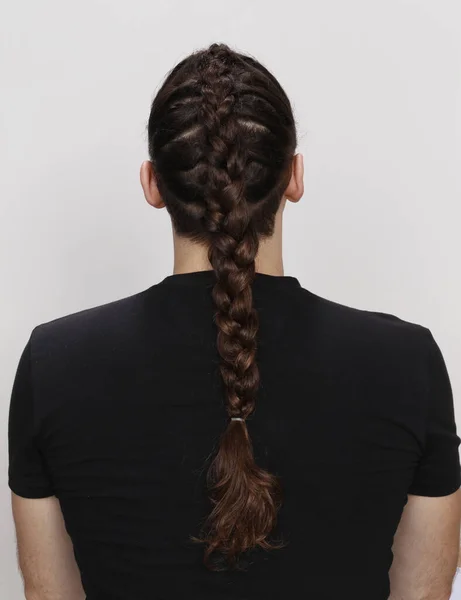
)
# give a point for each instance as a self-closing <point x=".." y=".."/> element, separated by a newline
<point x="89" y="328"/>
<point x="375" y="338"/>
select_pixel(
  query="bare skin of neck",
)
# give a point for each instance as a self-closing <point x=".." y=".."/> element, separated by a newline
<point x="190" y="256"/>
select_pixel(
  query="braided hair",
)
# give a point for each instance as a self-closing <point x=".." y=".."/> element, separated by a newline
<point x="221" y="140"/>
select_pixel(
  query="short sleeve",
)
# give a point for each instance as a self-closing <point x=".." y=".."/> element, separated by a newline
<point x="438" y="473"/>
<point x="27" y="474"/>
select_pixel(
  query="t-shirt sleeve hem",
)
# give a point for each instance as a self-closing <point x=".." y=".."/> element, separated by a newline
<point x="30" y="492"/>
<point x="434" y="491"/>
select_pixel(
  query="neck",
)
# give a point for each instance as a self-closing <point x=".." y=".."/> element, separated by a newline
<point x="190" y="256"/>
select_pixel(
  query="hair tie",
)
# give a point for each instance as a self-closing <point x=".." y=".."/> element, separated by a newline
<point x="237" y="419"/>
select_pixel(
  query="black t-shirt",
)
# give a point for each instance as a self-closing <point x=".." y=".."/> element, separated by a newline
<point x="116" y="410"/>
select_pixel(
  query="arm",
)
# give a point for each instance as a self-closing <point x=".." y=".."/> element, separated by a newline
<point x="45" y="551"/>
<point x="426" y="543"/>
<point x="426" y="547"/>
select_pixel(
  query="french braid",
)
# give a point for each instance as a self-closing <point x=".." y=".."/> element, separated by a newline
<point x="221" y="136"/>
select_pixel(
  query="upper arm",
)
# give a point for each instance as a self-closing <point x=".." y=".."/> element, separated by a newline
<point x="27" y="470"/>
<point x="438" y="472"/>
<point x="45" y="551"/>
<point x="426" y="547"/>
<point x="426" y="543"/>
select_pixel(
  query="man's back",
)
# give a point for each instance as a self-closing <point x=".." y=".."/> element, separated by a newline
<point x="125" y="407"/>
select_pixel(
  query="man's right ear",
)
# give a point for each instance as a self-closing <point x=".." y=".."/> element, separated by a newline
<point x="149" y="185"/>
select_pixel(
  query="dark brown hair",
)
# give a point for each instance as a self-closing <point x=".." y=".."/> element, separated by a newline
<point x="221" y="140"/>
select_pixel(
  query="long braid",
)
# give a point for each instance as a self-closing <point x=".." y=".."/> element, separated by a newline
<point x="245" y="497"/>
<point x="221" y="138"/>
<point x="233" y="248"/>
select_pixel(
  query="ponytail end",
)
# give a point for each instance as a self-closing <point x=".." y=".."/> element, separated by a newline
<point x="245" y="499"/>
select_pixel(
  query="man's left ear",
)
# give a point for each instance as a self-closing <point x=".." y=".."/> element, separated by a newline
<point x="149" y="185"/>
<point x="295" y="189"/>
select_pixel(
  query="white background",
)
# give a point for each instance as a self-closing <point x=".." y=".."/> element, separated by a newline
<point x="376" y="91"/>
